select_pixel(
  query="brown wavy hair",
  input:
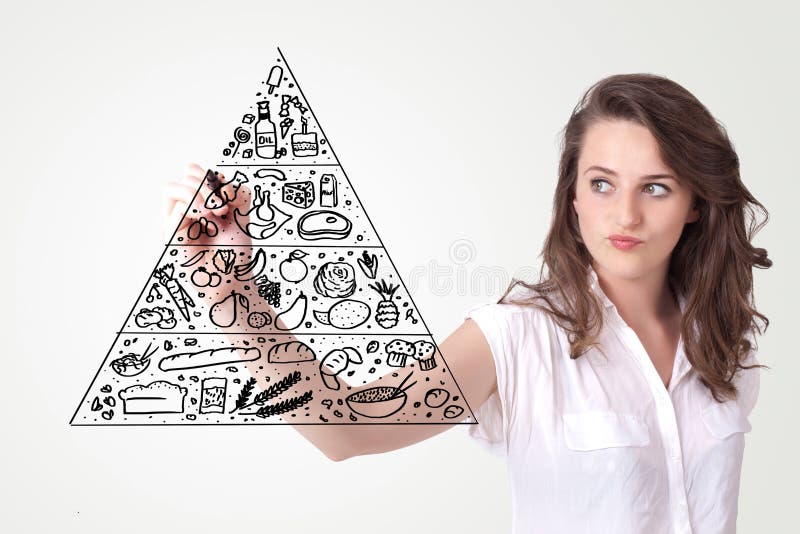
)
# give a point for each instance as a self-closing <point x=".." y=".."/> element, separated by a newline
<point x="713" y="260"/>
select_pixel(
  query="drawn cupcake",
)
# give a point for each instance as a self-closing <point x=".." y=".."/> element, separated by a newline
<point x="424" y="355"/>
<point x="398" y="350"/>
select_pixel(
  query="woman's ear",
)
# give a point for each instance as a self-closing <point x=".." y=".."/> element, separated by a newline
<point x="694" y="213"/>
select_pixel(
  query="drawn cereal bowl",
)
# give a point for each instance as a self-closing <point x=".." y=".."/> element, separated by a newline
<point x="130" y="365"/>
<point x="133" y="364"/>
<point x="377" y="402"/>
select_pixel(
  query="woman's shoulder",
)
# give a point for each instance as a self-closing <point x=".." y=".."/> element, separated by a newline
<point x="526" y="299"/>
<point x="519" y="331"/>
<point x="520" y="305"/>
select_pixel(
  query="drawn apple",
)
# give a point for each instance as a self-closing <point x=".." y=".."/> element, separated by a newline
<point x="293" y="268"/>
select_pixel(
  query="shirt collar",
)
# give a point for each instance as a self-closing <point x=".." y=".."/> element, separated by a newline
<point x="681" y="365"/>
<point x="595" y="285"/>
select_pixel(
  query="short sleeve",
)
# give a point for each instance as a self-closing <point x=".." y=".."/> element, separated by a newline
<point x="492" y="430"/>
<point x="748" y="382"/>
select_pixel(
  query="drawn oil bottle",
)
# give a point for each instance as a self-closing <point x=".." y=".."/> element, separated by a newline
<point x="265" y="133"/>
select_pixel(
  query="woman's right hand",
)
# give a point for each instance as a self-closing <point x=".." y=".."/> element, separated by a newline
<point x="181" y="192"/>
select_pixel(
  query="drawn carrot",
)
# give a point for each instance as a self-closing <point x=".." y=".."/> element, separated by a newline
<point x="179" y="295"/>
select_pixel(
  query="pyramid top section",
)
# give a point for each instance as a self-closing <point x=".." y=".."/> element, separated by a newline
<point x="279" y="127"/>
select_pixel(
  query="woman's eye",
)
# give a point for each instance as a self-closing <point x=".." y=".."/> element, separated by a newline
<point x="652" y="188"/>
<point x="598" y="181"/>
<point x="662" y="186"/>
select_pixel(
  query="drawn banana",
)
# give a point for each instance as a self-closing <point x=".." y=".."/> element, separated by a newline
<point x="253" y="269"/>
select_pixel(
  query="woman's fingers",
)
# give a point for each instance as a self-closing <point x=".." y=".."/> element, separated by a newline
<point x="184" y="199"/>
<point x="195" y="169"/>
<point x="178" y="192"/>
<point x="172" y="193"/>
<point x="186" y="192"/>
<point x="186" y="187"/>
<point x="191" y="179"/>
<point x="172" y="221"/>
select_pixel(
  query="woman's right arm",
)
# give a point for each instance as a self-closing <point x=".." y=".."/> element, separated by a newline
<point x="470" y="360"/>
<point x="466" y="350"/>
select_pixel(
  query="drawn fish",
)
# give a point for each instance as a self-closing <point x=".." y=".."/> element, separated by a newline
<point x="221" y="194"/>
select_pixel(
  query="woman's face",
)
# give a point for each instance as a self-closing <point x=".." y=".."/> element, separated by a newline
<point x="615" y="194"/>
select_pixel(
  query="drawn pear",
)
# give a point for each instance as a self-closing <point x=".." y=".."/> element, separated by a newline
<point x="224" y="312"/>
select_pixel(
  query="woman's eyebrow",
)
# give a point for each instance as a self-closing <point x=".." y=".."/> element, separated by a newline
<point x="647" y="177"/>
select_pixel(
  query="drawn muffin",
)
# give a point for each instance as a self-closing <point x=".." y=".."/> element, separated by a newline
<point x="423" y="353"/>
<point x="398" y="350"/>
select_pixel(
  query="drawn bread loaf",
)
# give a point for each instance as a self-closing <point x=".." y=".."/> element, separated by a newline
<point x="291" y="352"/>
<point x="156" y="397"/>
<point x="206" y="358"/>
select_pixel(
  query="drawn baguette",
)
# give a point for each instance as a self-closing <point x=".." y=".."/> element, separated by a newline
<point x="206" y="358"/>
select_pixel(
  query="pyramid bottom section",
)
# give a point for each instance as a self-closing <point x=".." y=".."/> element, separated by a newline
<point x="204" y="379"/>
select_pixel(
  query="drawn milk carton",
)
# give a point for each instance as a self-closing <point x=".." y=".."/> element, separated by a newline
<point x="328" y="197"/>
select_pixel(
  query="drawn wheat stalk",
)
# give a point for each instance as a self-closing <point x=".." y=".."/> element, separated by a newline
<point x="274" y="390"/>
<point x="284" y="406"/>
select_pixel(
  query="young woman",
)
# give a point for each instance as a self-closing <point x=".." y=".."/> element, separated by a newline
<point x="619" y="386"/>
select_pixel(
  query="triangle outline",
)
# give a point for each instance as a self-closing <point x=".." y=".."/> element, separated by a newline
<point x="172" y="243"/>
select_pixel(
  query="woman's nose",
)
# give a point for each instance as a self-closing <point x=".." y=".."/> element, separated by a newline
<point x="628" y="210"/>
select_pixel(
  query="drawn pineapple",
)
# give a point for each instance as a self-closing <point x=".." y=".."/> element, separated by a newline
<point x="386" y="315"/>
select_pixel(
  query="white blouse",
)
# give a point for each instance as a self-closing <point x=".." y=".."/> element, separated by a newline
<point x="600" y="445"/>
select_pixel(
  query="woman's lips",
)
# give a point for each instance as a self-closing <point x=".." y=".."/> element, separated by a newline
<point x="623" y="242"/>
<point x="624" y="245"/>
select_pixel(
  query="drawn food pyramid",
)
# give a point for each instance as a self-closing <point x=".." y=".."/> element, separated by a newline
<point x="294" y="314"/>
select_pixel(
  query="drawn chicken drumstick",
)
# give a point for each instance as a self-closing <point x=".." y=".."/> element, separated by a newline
<point x="265" y="218"/>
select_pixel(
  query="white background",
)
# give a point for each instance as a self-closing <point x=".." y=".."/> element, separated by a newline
<point x="445" y="117"/>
